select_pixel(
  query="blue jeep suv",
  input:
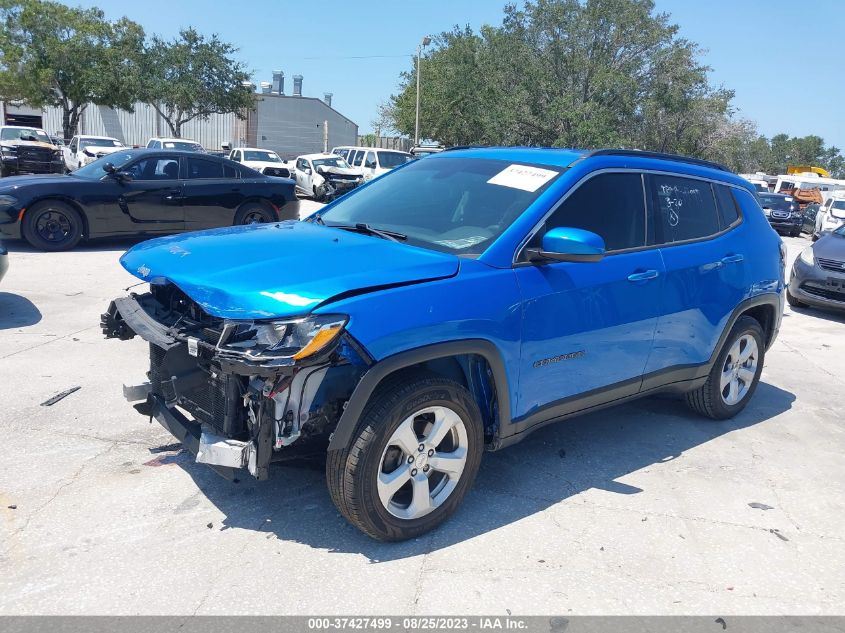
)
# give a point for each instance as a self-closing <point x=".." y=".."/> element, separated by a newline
<point x="451" y="306"/>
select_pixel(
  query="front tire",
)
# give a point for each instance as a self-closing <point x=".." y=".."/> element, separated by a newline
<point x="411" y="460"/>
<point x="52" y="226"/>
<point x="735" y="374"/>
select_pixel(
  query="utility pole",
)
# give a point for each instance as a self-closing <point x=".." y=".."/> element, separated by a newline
<point x="425" y="42"/>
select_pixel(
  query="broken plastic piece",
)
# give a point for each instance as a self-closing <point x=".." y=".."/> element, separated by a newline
<point x="60" y="396"/>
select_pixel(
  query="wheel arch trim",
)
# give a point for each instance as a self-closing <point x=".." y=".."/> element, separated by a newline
<point x="384" y="368"/>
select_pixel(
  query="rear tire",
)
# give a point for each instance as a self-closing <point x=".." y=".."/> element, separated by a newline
<point x="735" y="374"/>
<point x="255" y="213"/>
<point x="52" y="226"/>
<point x="383" y="483"/>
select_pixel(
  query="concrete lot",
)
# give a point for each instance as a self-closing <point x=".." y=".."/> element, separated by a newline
<point x="644" y="508"/>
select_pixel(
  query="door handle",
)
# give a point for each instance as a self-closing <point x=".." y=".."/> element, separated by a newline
<point x="643" y="276"/>
<point x="173" y="195"/>
<point x="732" y="259"/>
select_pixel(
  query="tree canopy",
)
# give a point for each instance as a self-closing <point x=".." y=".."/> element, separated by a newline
<point x="585" y="73"/>
<point x="193" y="77"/>
<point x="53" y="54"/>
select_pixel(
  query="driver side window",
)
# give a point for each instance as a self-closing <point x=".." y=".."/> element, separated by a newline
<point x="154" y="169"/>
<point x="610" y="205"/>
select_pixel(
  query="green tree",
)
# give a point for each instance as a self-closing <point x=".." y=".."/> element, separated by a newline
<point x="55" y="55"/>
<point x="192" y="77"/>
<point x="567" y="73"/>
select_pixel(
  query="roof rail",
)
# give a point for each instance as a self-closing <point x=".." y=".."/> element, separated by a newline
<point x="639" y="153"/>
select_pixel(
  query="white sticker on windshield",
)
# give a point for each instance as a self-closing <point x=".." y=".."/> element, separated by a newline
<point x="523" y="177"/>
<point x="462" y="243"/>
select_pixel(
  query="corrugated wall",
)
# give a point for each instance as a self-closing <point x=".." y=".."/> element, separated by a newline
<point x="288" y="125"/>
<point x="136" y="128"/>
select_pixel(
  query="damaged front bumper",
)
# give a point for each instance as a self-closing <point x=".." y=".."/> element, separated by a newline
<point x="244" y="412"/>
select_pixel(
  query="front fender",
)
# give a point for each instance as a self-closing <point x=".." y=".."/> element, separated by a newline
<point x="367" y="385"/>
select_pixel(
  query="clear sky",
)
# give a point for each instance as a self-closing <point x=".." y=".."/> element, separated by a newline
<point x="783" y="58"/>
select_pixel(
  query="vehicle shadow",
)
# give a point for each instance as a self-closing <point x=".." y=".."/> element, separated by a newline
<point x="555" y="463"/>
<point x="17" y="311"/>
<point x="828" y="314"/>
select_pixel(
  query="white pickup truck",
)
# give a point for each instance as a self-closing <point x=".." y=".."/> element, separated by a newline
<point x="84" y="149"/>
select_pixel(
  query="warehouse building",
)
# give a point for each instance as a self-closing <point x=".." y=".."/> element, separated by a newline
<point x="289" y="125"/>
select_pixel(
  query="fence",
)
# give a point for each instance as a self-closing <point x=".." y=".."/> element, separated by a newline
<point x="385" y="142"/>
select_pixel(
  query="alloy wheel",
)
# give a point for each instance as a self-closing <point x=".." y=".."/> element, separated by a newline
<point x="739" y="370"/>
<point x="53" y="226"/>
<point x="422" y="462"/>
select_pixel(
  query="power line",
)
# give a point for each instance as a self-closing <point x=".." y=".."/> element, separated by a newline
<point x="330" y="57"/>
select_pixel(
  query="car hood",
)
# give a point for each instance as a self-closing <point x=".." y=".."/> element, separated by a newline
<point x="19" y="143"/>
<point x="103" y="149"/>
<point x="340" y="171"/>
<point x="830" y="246"/>
<point x="284" y="269"/>
<point x="10" y="183"/>
<point x="260" y="164"/>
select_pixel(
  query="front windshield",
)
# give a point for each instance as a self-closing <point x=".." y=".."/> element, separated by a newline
<point x="330" y="162"/>
<point x="99" y="142"/>
<point x="186" y="145"/>
<point x="21" y="134"/>
<point x="267" y="157"/>
<point x="455" y="205"/>
<point x="94" y="169"/>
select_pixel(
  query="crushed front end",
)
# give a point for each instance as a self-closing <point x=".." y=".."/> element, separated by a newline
<point x="238" y="394"/>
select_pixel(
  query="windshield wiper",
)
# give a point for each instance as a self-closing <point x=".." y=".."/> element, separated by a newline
<point x="362" y="227"/>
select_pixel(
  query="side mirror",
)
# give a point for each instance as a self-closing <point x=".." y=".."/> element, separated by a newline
<point x="307" y="170"/>
<point x="569" y="245"/>
<point x="226" y="146"/>
<point x="109" y="168"/>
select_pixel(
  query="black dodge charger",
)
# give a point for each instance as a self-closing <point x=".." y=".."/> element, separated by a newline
<point x="140" y="192"/>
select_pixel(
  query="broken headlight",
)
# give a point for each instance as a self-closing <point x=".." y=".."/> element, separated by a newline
<point x="292" y="339"/>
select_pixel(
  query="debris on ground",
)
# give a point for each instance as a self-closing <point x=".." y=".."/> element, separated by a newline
<point x="722" y="622"/>
<point x="60" y="396"/>
<point x="167" y="448"/>
<point x="210" y="525"/>
<point x="777" y="533"/>
<point x="12" y="507"/>
<point x="760" y="506"/>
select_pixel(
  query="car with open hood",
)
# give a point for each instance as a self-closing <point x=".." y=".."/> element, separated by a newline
<point x="452" y="306"/>
<point x="137" y="192"/>
<point x="28" y="150"/>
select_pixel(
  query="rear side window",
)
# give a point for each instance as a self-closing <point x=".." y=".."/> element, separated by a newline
<point x="359" y="156"/>
<point x="199" y="169"/>
<point x="610" y="205"/>
<point x="684" y="209"/>
<point x="728" y="211"/>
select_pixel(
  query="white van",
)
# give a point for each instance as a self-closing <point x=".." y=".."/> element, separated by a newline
<point x="372" y="162"/>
